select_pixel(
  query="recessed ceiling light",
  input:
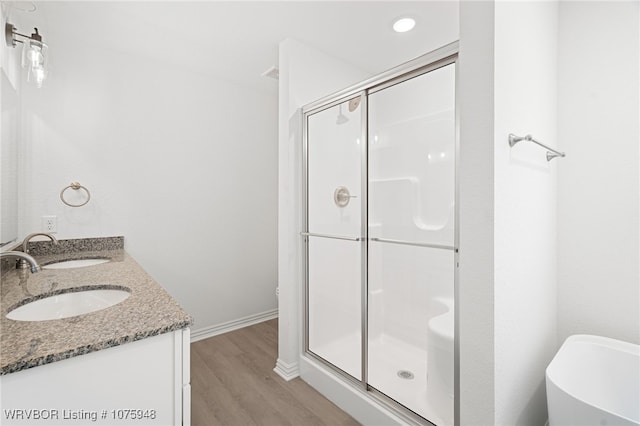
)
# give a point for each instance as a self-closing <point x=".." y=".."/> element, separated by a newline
<point x="403" y="25"/>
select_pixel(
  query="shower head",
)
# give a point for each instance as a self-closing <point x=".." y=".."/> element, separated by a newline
<point x="354" y="104"/>
<point x="341" y="117"/>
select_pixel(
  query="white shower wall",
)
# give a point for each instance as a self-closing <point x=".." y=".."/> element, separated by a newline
<point x="335" y="295"/>
<point x="411" y="198"/>
<point x="407" y="287"/>
<point x="412" y="126"/>
<point x="335" y="153"/>
<point x="412" y="201"/>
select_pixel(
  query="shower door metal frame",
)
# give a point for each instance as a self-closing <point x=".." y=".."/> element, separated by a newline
<point x="363" y="228"/>
<point x="431" y="61"/>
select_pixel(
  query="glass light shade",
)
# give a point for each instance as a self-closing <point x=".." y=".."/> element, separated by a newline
<point x="37" y="75"/>
<point x="34" y="53"/>
<point x="34" y="58"/>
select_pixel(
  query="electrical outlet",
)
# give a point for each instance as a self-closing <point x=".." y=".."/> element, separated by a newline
<point x="50" y="224"/>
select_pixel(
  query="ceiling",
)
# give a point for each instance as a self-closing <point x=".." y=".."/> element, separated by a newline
<point x="238" y="40"/>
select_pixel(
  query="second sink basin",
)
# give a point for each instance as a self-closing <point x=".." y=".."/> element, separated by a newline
<point x="76" y="263"/>
<point x="68" y="304"/>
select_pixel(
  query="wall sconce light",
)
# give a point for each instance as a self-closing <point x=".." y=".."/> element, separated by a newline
<point x="34" y="53"/>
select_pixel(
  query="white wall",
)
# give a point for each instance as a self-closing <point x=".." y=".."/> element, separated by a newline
<point x="183" y="165"/>
<point x="525" y="208"/>
<point x="598" y="214"/>
<point x="556" y="261"/>
<point x="507" y="276"/>
<point x="475" y="308"/>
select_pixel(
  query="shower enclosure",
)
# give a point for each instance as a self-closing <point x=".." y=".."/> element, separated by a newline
<point x="380" y="236"/>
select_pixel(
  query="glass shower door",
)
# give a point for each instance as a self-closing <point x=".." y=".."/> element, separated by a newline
<point x="411" y="242"/>
<point x="334" y="237"/>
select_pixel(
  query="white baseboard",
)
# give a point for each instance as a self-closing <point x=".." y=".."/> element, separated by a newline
<point x="287" y="371"/>
<point x="214" y="330"/>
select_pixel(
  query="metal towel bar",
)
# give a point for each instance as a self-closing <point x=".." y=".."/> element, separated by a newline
<point x="551" y="153"/>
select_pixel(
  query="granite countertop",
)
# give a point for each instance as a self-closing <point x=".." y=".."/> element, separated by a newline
<point x="148" y="311"/>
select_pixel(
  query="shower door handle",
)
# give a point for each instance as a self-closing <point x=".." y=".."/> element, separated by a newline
<point x="412" y="243"/>
<point x="335" y="237"/>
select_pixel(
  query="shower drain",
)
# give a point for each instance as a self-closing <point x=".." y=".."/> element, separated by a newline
<point x="405" y="374"/>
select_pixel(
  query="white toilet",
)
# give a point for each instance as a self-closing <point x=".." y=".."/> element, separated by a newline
<point x="440" y="360"/>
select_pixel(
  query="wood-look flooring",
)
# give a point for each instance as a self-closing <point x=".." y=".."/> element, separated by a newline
<point x="233" y="383"/>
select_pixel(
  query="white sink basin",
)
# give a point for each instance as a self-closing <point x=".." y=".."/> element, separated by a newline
<point x="66" y="305"/>
<point x="78" y="263"/>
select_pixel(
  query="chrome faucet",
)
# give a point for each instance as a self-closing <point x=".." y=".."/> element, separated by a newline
<point x="22" y="257"/>
<point x="22" y="263"/>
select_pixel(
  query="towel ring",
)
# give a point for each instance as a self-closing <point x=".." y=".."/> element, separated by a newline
<point x="75" y="186"/>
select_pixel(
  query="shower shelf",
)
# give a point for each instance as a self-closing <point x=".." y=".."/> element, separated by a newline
<point x="551" y="153"/>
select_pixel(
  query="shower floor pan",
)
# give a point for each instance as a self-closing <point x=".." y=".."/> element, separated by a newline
<point x="389" y="361"/>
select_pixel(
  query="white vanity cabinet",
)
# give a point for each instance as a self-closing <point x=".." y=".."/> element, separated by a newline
<point x="146" y="382"/>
